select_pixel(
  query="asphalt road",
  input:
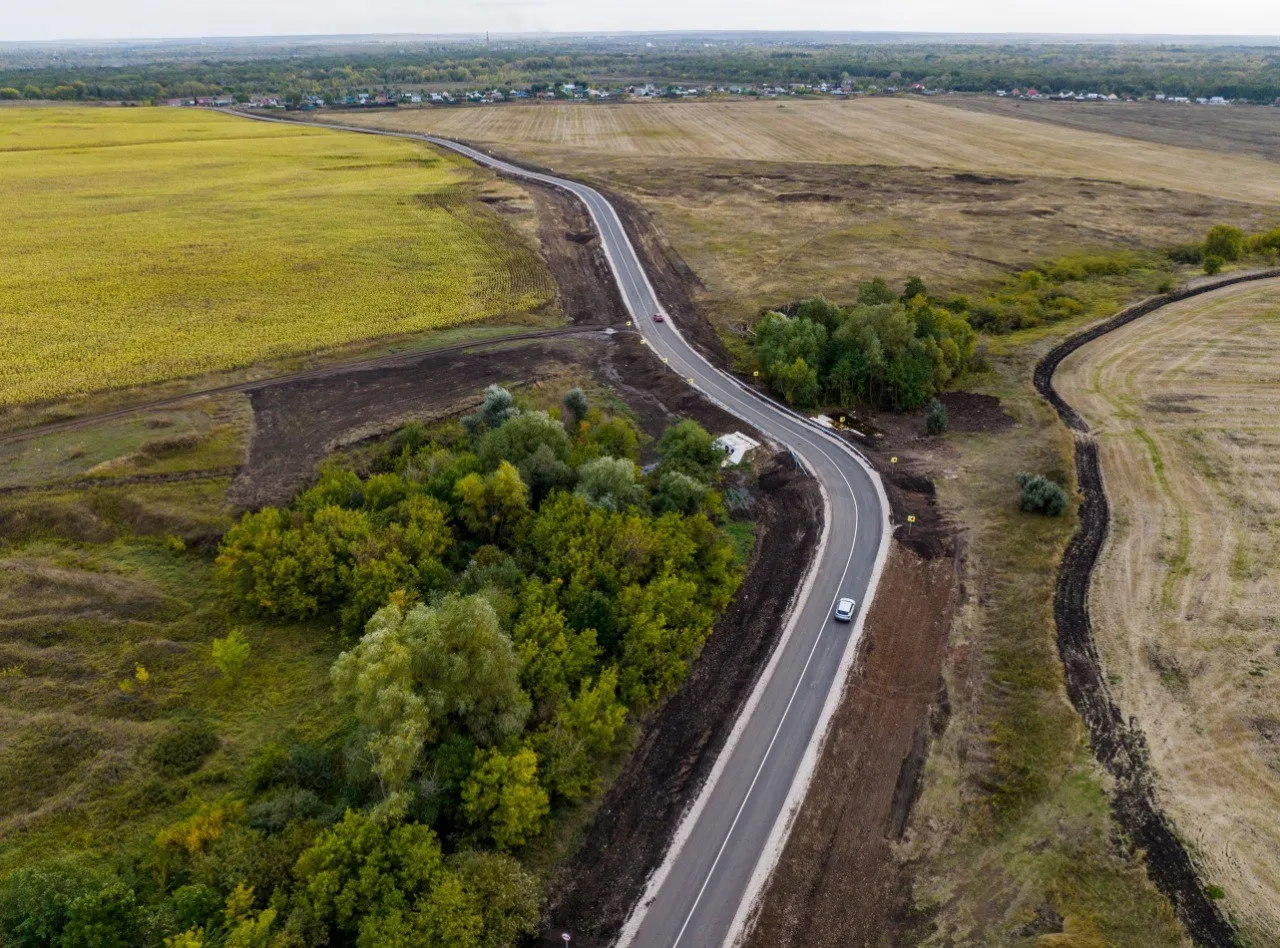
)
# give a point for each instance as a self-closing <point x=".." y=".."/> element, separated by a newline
<point x="731" y="837"/>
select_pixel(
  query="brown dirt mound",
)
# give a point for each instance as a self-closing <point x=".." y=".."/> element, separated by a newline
<point x="967" y="411"/>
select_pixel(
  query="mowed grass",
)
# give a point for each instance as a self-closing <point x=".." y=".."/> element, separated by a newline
<point x="881" y="131"/>
<point x="149" y="244"/>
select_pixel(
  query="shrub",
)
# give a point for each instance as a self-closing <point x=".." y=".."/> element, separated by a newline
<point x="935" y="418"/>
<point x="1224" y="241"/>
<point x="231" y="653"/>
<point x="1212" y="264"/>
<point x="1041" y="495"/>
<point x="1186" y="253"/>
<point x="185" y="745"/>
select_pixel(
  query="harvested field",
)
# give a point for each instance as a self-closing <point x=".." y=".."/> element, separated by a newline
<point x="1183" y="602"/>
<point x="741" y="235"/>
<point x="152" y="244"/>
<point x="1252" y="130"/>
<point x="885" y="131"/>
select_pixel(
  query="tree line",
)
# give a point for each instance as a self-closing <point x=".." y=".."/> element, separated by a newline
<point x="511" y="591"/>
<point x="1236" y="72"/>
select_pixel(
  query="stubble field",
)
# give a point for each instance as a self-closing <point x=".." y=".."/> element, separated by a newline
<point x="1186" y="405"/>
<point x="891" y="131"/>
<point x="768" y="202"/>
<point x="149" y="244"/>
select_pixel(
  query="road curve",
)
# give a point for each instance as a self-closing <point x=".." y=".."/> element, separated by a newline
<point x="730" y="839"/>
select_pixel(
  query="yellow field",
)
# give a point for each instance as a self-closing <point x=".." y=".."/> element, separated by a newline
<point x="148" y="244"/>
<point x="1185" y="599"/>
<point x="861" y="132"/>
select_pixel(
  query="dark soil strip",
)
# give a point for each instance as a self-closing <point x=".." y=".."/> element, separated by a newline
<point x="392" y="360"/>
<point x="596" y="889"/>
<point x="129" y="480"/>
<point x="1118" y="744"/>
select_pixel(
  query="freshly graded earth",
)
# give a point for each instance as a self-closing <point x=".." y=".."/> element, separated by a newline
<point x="1185" y="404"/>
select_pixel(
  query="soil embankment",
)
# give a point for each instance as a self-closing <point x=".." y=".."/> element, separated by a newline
<point x="1117" y="743"/>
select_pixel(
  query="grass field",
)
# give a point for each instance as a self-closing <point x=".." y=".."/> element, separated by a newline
<point x="891" y="131"/>
<point x="148" y="244"/>
<point x="1184" y="600"/>
<point x="91" y="587"/>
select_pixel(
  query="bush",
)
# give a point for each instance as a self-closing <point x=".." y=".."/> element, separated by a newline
<point x="935" y="418"/>
<point x="231" y="653"/>
<point x="1212" y="264"/>
<point x="1041" y="495"/>
<point x="183" y="747"/>
<point x="1186" y="253"/>
<point x="1224" y="241"/>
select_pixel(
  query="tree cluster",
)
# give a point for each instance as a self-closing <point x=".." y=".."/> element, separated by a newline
<point x="889" y="350"/>
<point x="509" y="590"/>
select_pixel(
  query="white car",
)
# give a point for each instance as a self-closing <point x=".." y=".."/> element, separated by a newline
<point x="845" y="609"/>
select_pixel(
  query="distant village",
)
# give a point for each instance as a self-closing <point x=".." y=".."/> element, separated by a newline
<point x="586" y="92"/>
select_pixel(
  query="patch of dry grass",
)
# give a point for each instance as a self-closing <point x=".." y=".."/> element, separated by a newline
<point x="1185" y="599"/>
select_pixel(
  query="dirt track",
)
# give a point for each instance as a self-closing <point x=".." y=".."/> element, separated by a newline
<point x="1118" y="744"/>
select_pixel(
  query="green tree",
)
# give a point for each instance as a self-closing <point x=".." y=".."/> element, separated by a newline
<point x="231" y="653"/>
<point x="8" y="92"/>
<point x="1224" y="241"/>
<point x="493" y="506"/>
<point x="503" y="799"/>
<point x="1212" y="264"/>
<point x="520" y="437"/>
<point x="367" y="876"/>
<point x="495" y="410"/>
<point x="507" y="899"/>
<point x="35" y="902"/>
<point x="553" y="656"/>
<point x="245" y="927"/>
<point x="411" y="672"/>
<point x="576" y="407"/>
<point x="935" y="418"/>
<point x="689" y="448"/>
<point x="796" y="381"/>
<point x="108" y="917"/>
<point x="677" y="493"/>
<point x="610" y="483"/>
<point x="1041" y="495"/>
<point x="585" y="729"/>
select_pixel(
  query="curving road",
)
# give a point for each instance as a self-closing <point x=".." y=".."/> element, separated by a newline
<point x="730" y="839"/>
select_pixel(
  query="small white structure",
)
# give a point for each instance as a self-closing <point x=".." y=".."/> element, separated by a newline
<point x="736" y="445"/>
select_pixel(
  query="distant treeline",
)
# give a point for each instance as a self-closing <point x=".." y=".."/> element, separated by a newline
<point x="1236" y="72"/>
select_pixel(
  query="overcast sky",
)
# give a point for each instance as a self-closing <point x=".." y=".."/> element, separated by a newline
<point x="95" y="19"/>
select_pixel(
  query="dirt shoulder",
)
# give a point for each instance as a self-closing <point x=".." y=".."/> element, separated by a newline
<point x="837" y="883"/>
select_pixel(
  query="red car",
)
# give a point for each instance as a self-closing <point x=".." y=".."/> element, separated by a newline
<point x="659" y="318"/>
